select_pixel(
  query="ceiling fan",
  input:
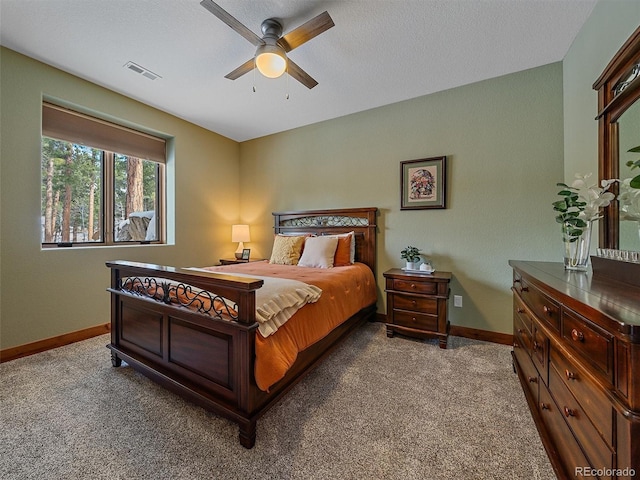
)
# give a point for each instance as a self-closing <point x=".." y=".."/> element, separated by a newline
<point x="271" y="55"/>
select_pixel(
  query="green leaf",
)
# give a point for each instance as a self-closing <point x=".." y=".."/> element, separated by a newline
<point x="634" y="149"/>
<point x="635" y="182"/>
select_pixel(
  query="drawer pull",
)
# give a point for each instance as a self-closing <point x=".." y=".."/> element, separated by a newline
<point x="413" y="285"/>
<point x="569" y="412"/>
<point x="520" y="331"/>
<point x="536" y="346"/>
<point x="520" y="310"/>
<point x="533" y="379"/>
<point x="524" y="289"/>
<point x="414" y="303"/>
<point x="577" y="336"/>
<point x="570" y="375"/>
<point x="547" y="310"/>
<point x="413" y="319"/>
<point x="544" y="406"/>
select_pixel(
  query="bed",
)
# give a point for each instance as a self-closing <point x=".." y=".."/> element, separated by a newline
<point x="213" y="352"/>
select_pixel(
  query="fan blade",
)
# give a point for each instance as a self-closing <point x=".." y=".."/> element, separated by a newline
<point x="223" y="15"/>
<point x="303" y="77"/>
<point x="246" y="67"/>
<point x="306" y="32"/>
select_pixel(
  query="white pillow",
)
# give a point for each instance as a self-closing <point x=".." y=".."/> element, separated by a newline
<point x="318" y="252"/>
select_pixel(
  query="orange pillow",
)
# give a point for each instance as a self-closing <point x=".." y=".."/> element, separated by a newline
<point x="343" y="251"/>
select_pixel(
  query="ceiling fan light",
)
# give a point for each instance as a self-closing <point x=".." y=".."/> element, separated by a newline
<point x="271" y="61"/>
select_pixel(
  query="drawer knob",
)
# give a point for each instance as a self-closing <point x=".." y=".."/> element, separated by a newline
<point x="536" y="346"/>
<point x="413" y="319"/>
<point x="547" y="310"/>
<point x="544" y="406"/>
<point x="520" y="310"/>
<point x="524" y="289"/>
<point x="520" y="331"/>
<point x="569" y="412"/>
<point x="533" y="379"/>
<point x="577" y="336"/>
<point x="414" y="303"/>
<point x="570" y="375"/>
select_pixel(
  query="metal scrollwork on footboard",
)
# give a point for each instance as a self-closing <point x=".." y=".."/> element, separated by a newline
<point x="180" y="294"/>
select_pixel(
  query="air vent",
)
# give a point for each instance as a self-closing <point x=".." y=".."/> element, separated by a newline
<point x="141" y="70"/>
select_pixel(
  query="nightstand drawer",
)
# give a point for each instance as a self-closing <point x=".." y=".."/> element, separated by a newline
<point x="415" y="287"/>
<point x="419" y="304"/>
<point x="415" y="320"/>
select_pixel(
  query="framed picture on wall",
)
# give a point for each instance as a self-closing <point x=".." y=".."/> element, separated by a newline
<point x="245" y="253"/>
<point x="423" y="183"/>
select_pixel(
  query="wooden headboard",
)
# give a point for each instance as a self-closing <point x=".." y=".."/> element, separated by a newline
<point x="362" y="221"/>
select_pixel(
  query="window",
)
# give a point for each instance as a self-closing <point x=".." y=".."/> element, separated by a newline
<point x="102" y="184"/>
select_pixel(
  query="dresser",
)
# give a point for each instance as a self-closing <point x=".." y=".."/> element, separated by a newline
<point x="417" y="304"/>
<point x="576" y="350"/>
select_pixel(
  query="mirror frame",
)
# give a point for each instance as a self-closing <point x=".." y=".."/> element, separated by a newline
<point x="613" y="101"/>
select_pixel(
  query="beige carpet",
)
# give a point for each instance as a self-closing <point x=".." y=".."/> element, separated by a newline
<point x="377" y="408"/>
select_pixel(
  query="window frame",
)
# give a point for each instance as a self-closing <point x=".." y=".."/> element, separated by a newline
<point x="107" y="196"/>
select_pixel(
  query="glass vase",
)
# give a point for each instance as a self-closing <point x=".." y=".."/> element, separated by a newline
<point x="576" y="246"/>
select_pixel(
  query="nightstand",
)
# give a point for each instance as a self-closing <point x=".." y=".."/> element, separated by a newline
<point x="235" y="261"/>
<point x="417" y="304"/>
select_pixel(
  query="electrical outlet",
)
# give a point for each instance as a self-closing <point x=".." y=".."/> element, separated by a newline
<point x="457" y="300"/>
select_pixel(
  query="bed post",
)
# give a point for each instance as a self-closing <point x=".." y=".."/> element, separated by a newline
<point x="115" y="325"/>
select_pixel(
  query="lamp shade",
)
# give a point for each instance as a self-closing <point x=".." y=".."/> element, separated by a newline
<point x="240" y="233"/>
<point x="271" y="60"/>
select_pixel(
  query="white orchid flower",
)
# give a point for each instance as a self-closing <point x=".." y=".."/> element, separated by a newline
<point x="629" y="199"/>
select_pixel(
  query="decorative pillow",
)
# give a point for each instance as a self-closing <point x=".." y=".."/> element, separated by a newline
<point x="286" y="250"/>
<point x="344" y="252"/>
<point x="319" y="252"/>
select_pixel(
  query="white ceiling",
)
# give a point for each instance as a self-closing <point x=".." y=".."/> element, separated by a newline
<point x="379" y="52"/>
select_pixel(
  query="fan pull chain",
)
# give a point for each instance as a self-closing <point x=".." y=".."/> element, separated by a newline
<point x="254" y="74"/>
<point x="287" y="94"/>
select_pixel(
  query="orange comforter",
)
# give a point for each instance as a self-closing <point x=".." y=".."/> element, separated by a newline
<point x="345" y="291"/>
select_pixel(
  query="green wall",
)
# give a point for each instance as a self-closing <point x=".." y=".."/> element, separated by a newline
<point x="45" y="293"/>
<point x="503" y="141"/>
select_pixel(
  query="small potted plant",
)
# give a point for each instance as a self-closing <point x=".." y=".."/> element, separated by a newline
<point x="412" y="257"/>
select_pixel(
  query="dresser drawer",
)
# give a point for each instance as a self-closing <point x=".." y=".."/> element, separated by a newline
<point x="540" y="304"/>
<point x="415" y="287"/>
<point x="520" y="312"/>
<point x="523" y="334"/>
<point x="540" y="353"/>
<point x="593" y="401"/>
<point x="591" y="342"/>
<point x="593" y="445"/>
<point x="529" y="372"/>
<point x="414" y="303"/>
<point x="563" y="439"/>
